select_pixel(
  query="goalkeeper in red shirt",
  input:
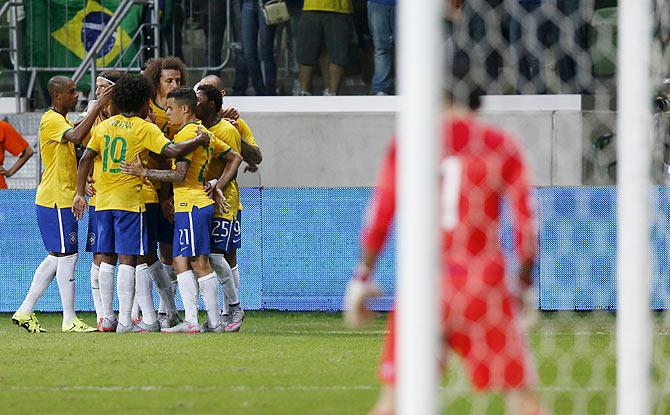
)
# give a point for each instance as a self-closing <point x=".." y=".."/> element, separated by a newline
<point x="480" y="167"/>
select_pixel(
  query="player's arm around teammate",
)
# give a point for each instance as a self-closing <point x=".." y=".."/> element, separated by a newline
<point x="171" y="150"/>
<point x="193" y="215"/>
<point x="57" y="224"/>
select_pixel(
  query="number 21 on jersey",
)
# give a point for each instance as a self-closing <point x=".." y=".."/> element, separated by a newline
<point x="451" y="170"/>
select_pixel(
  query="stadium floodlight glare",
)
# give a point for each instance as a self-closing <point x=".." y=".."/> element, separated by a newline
<point x="419" y="81"/>
<point x="634" y="120"/>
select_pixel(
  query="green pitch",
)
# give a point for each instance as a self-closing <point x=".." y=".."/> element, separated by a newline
<point x="282" y="363"/>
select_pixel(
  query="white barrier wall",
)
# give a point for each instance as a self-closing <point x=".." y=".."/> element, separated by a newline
<point x="340" y="141"/>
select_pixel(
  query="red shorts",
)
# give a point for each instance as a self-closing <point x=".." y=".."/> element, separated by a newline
<point x="479" y="323"/>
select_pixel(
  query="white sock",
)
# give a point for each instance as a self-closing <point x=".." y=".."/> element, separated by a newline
<point x="209" y="289"/>
<point x="106" y="284"/>
<point x="135" y="311"/>
<point x="169" y="270"/>
<point x="188" y="288"/>
<point x="65" y="279"/>
<point x="164" y="285"/>
<point x="44" y="274"/>
<point x="236" y="277"/>
<point x="225" y="275"/>
<point x="95" y="292"/>
<point x="125" y="287"/>
<point x="143" y="293"/>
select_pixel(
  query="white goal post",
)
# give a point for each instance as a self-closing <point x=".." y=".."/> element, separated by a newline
<point x="633" y="208"/>
<point x="419" y="81"/>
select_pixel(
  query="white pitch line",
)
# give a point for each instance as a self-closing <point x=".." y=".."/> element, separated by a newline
<point x="274" y="388"/>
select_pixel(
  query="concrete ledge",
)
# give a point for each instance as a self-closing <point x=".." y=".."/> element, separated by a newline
<point x="374" y="104"/>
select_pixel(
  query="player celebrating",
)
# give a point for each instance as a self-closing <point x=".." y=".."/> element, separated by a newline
<point x="120" y="210"/>
<point x="479" y="318"/>
<point x="165" y="75"/>
<point x="193" y="212"/>
<point x="252" y="156"/>
<point x="103" y="82"/>
<point x="209" y="104"/>
<point x="53" y="202"/>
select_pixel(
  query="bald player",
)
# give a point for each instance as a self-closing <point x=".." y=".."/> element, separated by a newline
<point x="53" y="201"/>
<point x="252" y="155"/>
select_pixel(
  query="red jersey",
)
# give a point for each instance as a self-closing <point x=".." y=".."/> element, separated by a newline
<point x="480" y="165"/>
<point x="11" y="141"/>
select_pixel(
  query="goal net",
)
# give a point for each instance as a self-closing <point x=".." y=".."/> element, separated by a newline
<point x="548" y="70"/>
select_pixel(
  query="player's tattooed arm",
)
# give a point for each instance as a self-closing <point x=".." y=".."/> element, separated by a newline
<point x="176" y="175"/>
<point x="79" y="133"/>
<point x="251" y="154"/>
<point x="85" y="165"/>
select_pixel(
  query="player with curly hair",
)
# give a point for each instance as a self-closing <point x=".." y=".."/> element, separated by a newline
<point x="120" y="204"/>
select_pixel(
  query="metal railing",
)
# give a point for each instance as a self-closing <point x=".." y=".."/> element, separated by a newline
<point x="150" y="38"/>
<point x="116" y="19"/>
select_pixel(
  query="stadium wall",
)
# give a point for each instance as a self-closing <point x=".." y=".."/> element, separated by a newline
<point x="340" y="141"/>
<point x="300" y="244"/>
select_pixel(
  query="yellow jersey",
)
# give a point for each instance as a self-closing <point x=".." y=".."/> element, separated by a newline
<point x="118" y="139"/>
<point x="226" y="132"/>
<point x="149" y="188"/>
<point x="96" y="162"/>
<point x="162" y="120"/>
<point x="246" y="132"/>
<point x="191" y="192"/>
<point x="59" y="179"/>
<point x="337" y="6"/>
<point x="248" y="136"/>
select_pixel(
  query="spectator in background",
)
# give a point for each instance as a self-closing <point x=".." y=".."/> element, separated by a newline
<point x="172" y="22"/>
<point x="213" y="20"/>
<point x="484" y="36"/>
<point x="529" y="36"/>
<point x="13" y="142"/>
<point x="263" y="81"/>
<point x="362" y="52"/>
<point x="295" y="10"/>
<point x="381" y="19"/>
<point x="241" y="71"/>
<point x="575" y="67"/>
<point x="325" y="24"/>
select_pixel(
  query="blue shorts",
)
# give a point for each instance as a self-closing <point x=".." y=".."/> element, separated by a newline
<point x="58" y="228"/>
<point x="237" y="230"/>
<point x="165" y="228"/>
<point x="153" y="215"/>
<point x="92" y="237"/>
<point x="223" y="235"/>
<point x="191" y="232"/>
<point x="122" y="232"/>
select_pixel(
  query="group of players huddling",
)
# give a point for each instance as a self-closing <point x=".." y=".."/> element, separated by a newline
<point x="160" y="170"/>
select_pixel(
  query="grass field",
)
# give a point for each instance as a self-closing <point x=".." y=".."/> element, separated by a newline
<point x="281" y="363"/>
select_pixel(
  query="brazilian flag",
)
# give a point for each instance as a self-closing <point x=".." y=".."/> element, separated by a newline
<point x="61" y="32"/>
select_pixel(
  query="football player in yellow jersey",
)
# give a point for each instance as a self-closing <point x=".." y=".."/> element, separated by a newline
<point x="165" y="75"/>
<point x="120" y="210"/>
<point x="193" y="212"/>
<point x="252" y="156"/>
<point x="53" y="202"/>
<point x="209" y="104"/>
<point x="106" y="80"/>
